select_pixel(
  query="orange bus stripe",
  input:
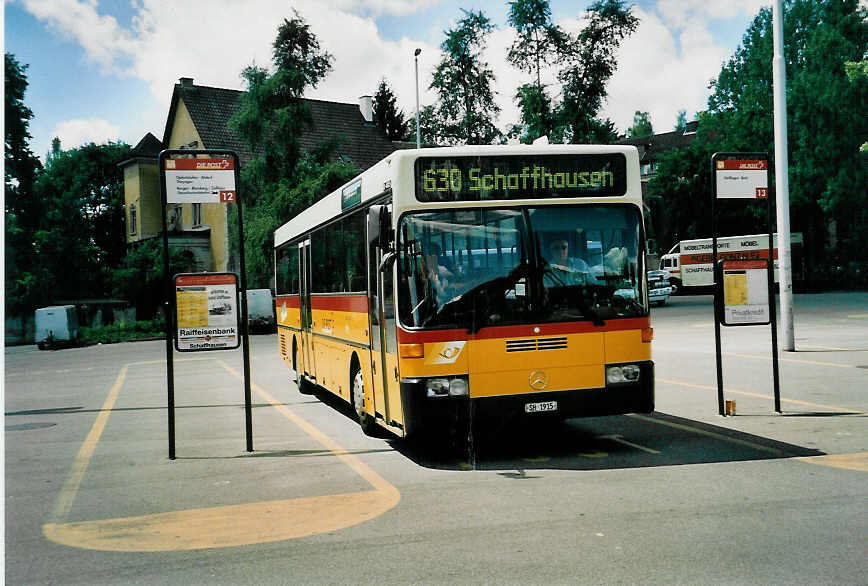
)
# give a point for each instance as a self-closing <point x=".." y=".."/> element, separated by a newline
<point x="290" y="301"/>
<point x="355" y="303"/>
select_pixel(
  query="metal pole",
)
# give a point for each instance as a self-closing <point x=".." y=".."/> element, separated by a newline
<point x="418" y="132"/>
<point x="245" y="340"/>
<point x="168" y="311"/>
<point x="782" y="185"/>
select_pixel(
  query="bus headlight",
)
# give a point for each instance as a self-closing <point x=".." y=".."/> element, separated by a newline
<point x="446" y="387"/>
<point x="622" y="373"/>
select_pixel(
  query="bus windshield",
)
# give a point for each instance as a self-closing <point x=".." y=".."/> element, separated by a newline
<point x="480" y="267"/>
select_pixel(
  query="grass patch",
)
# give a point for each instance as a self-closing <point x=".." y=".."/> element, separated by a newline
<point x="123" y="332"/>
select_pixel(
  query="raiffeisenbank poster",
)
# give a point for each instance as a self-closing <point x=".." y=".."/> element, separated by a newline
<point x="206" y="310"/>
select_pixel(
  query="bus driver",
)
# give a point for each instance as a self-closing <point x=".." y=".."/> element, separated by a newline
<point x="570" y="270"/>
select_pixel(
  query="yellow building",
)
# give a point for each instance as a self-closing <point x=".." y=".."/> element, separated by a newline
<point x="198" y="119"/>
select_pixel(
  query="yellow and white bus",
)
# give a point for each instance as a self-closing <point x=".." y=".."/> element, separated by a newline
<point x="446" y="284"/>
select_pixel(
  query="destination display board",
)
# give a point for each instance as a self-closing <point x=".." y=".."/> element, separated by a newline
<point x="741" y="178"/>
<point x="200" y="180"/>
<point x="206" y="312"/>
<point x="481" y="178"/>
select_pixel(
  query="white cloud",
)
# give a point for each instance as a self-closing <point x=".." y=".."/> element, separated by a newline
<point x="103" y="40"/>
<point x="212" y="42"/>
<point x="680" y="14"/>
<point x="655" y="75"/>
<point x="74" y="133"/>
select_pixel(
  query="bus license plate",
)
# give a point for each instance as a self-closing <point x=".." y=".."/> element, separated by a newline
<point x="540" y="407"/>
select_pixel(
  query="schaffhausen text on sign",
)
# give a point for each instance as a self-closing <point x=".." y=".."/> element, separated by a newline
<point x="200" y="180"/>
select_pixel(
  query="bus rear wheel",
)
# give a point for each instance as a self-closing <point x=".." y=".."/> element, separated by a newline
<point x="366" y="421"/>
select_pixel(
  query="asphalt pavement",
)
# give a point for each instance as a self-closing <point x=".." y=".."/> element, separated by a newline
<point x="683" y="496"/>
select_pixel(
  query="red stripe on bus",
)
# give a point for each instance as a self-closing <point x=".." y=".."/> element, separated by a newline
<point x="356" y="303"/>
<point x="522" y="331"/>
<point x="290" y="301"/>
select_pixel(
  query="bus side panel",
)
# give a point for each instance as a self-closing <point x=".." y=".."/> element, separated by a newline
<point x="339" y="327"/>
<point x="289" y="323"/>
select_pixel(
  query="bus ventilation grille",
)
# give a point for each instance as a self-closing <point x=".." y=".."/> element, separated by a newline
<point x="533" y="345"/>
<point x="283" y="345"/>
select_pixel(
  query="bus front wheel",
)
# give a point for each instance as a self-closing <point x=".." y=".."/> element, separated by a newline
<point x="366" y="421"/>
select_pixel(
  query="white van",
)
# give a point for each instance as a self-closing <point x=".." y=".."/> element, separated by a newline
<point x="56" y="326"/>
<point x="260" y="311"/>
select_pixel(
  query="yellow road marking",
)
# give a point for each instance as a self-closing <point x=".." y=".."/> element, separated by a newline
<point x="761" y="396"/>
<point x="794" y="360"/>
<point x="712" y="434"/>
<point x="622" y="441"/>
<point x="857" y="461"/>
<point x="858" y="315"/>
<point x="82" y="459"/>
<point x="225" y="526"/>
<point x="374" y="479"/>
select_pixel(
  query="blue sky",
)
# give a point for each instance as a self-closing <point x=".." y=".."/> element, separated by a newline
<point x="102" y="70"/>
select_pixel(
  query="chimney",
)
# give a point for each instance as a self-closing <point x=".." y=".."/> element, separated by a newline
<point x="366" y="105"/>
<point x="187" y="81"/>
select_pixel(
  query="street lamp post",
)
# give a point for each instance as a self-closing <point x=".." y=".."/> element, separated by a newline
<point x="418" y="132"/>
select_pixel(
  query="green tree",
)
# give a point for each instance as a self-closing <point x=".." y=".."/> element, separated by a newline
<point x="139" y="277"/>
<point x="641" y="126"/>
<point x="282" y="179"/>
<point x="387" y="116"/>
<point x="272" y="115"/>
<point x="825" y="115"/>
<point x="681" y="121"/>
<point x="463" y="82"/>
<point x="537" y="45"/>
<point x="22" y="209"/>
<point x="587" y="63"/>
<point x="80" y="236"/>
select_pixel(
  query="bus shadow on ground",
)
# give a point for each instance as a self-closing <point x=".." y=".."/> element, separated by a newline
<point x="597" y="443"/>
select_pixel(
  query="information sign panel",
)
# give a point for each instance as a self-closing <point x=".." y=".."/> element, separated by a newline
<point x="206" y="312"/>
<point x="206" y="180"/>
<point x="741" y="178"/>
<point x="745" y="292"/>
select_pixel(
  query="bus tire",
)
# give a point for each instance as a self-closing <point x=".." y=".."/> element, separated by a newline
<point x="357" y="379"/>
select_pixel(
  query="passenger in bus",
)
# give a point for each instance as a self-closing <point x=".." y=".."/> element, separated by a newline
<point x="568" y="269"/>
<point x="440" y="279"/>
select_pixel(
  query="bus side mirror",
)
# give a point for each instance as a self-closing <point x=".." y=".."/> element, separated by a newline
<point x="380" y="226"/>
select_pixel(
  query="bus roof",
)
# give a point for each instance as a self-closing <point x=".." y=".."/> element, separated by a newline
<point x="395" y="172"/>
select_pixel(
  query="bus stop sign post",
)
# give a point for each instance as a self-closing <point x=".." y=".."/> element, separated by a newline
<point x="203" y="176"/>
<point x="739" y="298"/>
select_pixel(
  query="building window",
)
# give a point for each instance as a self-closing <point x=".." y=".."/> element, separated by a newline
<point x="197" y="214"/>
<point x="132" y="218"/>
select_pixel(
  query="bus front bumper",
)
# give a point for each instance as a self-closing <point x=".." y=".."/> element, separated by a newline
<point x="424" y="412"/>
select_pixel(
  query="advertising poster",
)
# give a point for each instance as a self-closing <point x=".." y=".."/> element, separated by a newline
<point x="207" y="313"/>
<point x="746" y="292"/>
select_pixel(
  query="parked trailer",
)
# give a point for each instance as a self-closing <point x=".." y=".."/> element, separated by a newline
<point x="56" y="326"/>
<point x="690" y="261"/>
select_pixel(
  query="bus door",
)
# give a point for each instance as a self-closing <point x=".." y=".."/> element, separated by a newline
<point x="306" y="313"/>
<point x="384" y="343"/>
